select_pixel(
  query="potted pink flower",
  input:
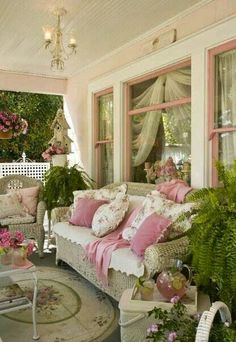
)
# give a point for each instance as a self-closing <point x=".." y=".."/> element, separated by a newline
<point x="56" y="154"/>
<point x="52" y="150"/>
<point x="5" y="248"/>
<point x="14" y="247"/>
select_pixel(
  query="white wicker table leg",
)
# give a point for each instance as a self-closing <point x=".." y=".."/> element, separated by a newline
<point x="205" y="323"/>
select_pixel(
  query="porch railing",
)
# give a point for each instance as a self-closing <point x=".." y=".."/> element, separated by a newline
<point x="25" y="167"/>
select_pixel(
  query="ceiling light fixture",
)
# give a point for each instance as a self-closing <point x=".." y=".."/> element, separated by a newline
<point x="53" y="39"/>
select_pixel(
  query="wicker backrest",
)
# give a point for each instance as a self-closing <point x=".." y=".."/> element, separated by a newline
<point x="19" y="182"/>
<point x="139" y="189"/>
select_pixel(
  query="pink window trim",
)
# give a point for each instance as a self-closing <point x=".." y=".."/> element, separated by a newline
<point x="213" y="133"/>
<point x="127" y="142"/>
<point x="98" y="143"/>
<point x="101" y="142"/>
<point x="160" y="106"/>
<point x="129" y="112"/>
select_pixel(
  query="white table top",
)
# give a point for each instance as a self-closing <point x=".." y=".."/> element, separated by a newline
<point x="8" y="270"/>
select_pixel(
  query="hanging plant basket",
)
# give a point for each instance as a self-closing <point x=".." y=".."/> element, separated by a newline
<point x="13" y="123"/>
<point x="6" y="135"/>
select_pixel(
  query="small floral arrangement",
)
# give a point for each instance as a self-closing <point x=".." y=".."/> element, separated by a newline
<point x="177" y="326"/>
<point x="12" y="122"/>
<point x="50" y="151"/>
<point x="15" y="240"/>
<point x="163" y="170"/>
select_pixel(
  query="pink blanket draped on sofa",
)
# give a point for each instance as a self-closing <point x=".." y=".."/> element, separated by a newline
<point x="99" y="251"/>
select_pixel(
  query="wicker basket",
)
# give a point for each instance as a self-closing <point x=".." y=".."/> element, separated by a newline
<point x="6" y="135"/>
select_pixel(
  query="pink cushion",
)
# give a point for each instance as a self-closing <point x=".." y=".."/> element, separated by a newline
<point x="152" y="230"/>
<point x="84" y="211"/>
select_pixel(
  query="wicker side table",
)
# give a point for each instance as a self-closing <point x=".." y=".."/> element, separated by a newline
<point x="134" y="320"/>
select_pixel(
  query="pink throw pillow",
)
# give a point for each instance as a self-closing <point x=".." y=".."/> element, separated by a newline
<point x="84" y="211"/>
<point x="152" y="230"/>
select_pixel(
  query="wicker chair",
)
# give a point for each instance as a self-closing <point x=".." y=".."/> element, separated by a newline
<point x="33" y="230"/>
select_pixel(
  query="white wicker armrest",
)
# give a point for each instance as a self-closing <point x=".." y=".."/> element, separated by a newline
<point x="157" y="257"/>
<point x="207" y="318"/>
<point x="60" y="214"/>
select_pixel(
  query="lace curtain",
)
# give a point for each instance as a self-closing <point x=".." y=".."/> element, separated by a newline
<point x="174" y="85"/>
<point x="227" y="100"/>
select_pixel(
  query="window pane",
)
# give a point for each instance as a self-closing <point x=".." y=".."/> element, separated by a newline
<point x="105" y="117"/>
<point x="159" y="135"/>
<point x="225" y="90"/>
<point x="164" y="88"/>
<point x="106" y="158"/>
<point x="227" y="147"/>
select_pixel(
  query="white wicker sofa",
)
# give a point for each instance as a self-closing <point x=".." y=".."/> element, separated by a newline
<point x="71" y="251"/>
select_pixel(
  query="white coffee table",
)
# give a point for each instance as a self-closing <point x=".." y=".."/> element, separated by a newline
<point x="8" y="276"/>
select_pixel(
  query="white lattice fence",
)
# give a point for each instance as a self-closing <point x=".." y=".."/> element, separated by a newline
<point x="32" y="169"/>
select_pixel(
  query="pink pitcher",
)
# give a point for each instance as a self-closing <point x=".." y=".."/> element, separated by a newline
<point x="171" y="282"/>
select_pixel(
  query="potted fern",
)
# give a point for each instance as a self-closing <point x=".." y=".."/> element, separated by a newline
<point x="213" y="237"/>
<point x="60" y="182"/>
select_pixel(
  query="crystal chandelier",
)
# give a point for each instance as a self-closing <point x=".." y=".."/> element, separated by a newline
<point x="54" y="41"/>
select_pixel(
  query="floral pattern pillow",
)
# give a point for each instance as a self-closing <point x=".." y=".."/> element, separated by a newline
<point x="107" y="217"/>
<point x="28" y="198"/>
<point x="10" y="206"/>
<point x="151" y="204"/>
<point x="156" y="202"/>
<point x="178" y="213"/>
<point x="99" y="194"/>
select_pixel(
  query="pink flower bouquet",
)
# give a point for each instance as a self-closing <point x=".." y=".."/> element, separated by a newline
<point x="15" y="240"/>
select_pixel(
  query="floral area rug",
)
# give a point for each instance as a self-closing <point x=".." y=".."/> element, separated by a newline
<point x="69" y="308"/>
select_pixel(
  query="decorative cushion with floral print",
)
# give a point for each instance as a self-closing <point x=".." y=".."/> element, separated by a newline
<point x="28" y="198"/>
<point x="150" y="205"/>
<point x="99" y="194"/>
<point x="156" y="202"/>
<point x="178" y="213"/>
<point x="10" y="206"/>
<point x="107" y="217"/>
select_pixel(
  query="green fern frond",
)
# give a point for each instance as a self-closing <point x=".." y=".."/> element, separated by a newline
<point x="213" y="235"/>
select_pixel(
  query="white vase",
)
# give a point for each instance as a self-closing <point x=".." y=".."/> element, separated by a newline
<point x="59" y="159"/>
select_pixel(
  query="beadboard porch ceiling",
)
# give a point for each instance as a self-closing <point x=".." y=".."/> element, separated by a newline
<point x="100" y="26"/>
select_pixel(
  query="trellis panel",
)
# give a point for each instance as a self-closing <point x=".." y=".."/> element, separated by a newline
<point x="32" y="169"/>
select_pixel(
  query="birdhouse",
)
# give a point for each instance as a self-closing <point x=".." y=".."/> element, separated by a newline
<point x="60" y="128"/>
